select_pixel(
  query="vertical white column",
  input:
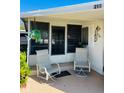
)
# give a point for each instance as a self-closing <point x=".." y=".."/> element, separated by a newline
<point x="28" y="45"/>
<point x="65" y="39"/>
<point x="50" y="35"/>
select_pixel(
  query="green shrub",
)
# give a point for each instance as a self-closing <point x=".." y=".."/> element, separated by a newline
<point x="24" y="69"/>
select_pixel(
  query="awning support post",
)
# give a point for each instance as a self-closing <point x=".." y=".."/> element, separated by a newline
<point x="28" y="45"/>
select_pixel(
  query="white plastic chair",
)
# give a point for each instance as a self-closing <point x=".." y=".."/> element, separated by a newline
<point x="81" y="59"/>
<point x="44" y="65"/>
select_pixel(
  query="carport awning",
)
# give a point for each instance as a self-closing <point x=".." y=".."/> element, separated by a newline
<point x="84" y="12"/>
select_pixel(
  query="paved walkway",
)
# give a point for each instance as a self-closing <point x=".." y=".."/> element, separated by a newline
<point x="68" y="84"/>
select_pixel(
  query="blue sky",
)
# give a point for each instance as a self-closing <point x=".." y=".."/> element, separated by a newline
<point x="29" y="5"/>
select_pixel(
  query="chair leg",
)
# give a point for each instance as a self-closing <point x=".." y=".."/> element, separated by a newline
<point x="37" y="70"/>
<point x="89" y="69"/>
<point x="74" y="67"/>
<point x="52" y="79"/>
<point x="47" y="77"/>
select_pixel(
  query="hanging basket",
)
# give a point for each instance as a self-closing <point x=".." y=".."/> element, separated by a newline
<point x="35" y="35"/>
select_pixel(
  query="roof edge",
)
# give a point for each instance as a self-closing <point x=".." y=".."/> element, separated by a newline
<point x="61" y="9"/>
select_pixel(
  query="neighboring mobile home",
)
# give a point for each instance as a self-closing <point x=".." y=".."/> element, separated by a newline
<point x="65" y="28"/>
<point x="23" y="40"/>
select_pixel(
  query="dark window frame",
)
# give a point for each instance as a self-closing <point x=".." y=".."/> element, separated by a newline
<point x="85" y="37"/>
<point x="75" y="38"/>
<point x="37" y="46"/>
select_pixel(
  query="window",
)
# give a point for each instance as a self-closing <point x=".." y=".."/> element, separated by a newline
<point x="58" y="40"/>
<point x="84" y="36"/>
<point x="44" y="28"/>
<point x="73" y="37"/>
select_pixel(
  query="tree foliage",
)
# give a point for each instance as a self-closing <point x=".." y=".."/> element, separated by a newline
<point x="22" y="27"/>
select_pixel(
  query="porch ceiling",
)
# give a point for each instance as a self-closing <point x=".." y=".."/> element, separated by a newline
<point x="82" y="16"/>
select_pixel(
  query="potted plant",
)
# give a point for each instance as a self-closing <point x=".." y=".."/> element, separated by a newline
<point x="35" y="35"/>
<point x="24" y="70"/>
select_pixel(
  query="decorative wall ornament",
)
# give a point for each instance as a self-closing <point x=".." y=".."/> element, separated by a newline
<point x="97" y="35"/>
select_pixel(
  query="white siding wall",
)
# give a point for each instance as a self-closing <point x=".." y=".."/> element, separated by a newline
<point x="95" y="48"/>
<point x="68" y="57"/>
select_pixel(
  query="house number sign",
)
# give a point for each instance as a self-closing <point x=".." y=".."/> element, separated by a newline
<point x="97" y="6"/>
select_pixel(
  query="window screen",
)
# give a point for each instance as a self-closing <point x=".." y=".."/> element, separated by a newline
<point x="84" y="36"/>
<point x="44" y="29"/>
<point x="58" y="40"/>
<point x="73" y="37"/>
